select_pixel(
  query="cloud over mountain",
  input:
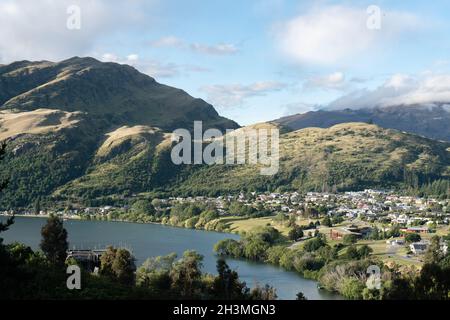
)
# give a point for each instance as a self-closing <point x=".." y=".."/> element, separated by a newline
<point x="37" y="30"/>
<point x="399" y="89"/>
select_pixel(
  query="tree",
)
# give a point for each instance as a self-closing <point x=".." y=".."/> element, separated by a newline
<point x="154" y="273"/>
<point x="263" y="293"/>
<point x="300" y="296"/>
<point x="37" y="206"/>
<point x="228" y="247"/>
<point x="118" y="265"/>
<point x="143" y="207"/>
<point x="337" y="220"/>
<point x="186" y="275"/>
<point x="352" y="288"/>
<point x="350" y="239"/>
<point x="327" y="222"/>
<point x="352" y="253"/>
<point x="255" y="249"/>
<point x="434" y="253"/>
<point x="4" y="225"/>
<point x="364" y="251"/>
<point x="432" y="283"/>
<point x="54" y="241"/>
<point x="295" y="233"/>
<point x="314" y="244"/>
<point x="124" y="267"/>
<point x="226" y="284"/>
<point x="412" y="237"/>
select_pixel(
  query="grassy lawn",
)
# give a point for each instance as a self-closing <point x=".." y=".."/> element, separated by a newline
<point x="242" y="224"/>
<point x="381" y="249"/>
<point x="389" y="254"/>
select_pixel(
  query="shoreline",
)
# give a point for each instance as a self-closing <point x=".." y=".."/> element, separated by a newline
<point x="46" y="216"/>
<point x="181" y="227"/>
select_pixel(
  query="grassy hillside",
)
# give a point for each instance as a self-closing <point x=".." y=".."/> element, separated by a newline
<point x="82" y="131"/>
<point x="118" y="92"/>
<point x="345" y="156"/>
<point x="430" y="122"/>
<point x="83" y="164"/>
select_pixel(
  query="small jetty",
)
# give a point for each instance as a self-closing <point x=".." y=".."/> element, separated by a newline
<point x="88" y="259"/>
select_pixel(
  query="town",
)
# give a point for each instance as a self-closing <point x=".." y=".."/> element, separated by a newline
<point x="397" y="227"/>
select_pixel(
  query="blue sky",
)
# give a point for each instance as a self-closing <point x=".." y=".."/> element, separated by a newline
<point x="253" y="60"/>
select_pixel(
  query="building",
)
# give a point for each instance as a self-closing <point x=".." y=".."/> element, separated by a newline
<point x="418" y="247"/>
<point x="396" y="242"/>
<point x="415" y="230"/>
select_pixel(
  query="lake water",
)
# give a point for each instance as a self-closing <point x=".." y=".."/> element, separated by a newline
<point x="148" y="240"/>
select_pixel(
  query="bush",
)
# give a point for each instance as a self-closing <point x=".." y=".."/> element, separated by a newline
<point x="352" y="289"/>
<point x="229" y="247"/>
<point x="295" y="233"/>
<point x="412" y="237"/>
<point x="350" y="239"/>
<point x="314" y="244"/>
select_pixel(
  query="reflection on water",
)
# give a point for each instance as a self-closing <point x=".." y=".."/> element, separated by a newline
<point x="147" y="240"/>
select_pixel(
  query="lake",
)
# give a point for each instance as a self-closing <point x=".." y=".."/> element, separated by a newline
<point x="148" y="240"/>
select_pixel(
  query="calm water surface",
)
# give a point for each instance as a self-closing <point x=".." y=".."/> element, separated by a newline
<point x="148" y="240"/>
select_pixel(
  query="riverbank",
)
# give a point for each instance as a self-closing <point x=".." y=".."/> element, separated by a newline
<point x="149" y="240"/>
<point x="279" y="254"/>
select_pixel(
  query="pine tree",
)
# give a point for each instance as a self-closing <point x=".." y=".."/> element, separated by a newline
<point x="54" y="241"/>
<point x="4" y="225"/>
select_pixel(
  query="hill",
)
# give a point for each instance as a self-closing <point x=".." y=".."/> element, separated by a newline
<point x="349" y="156"/>
<point x="430" y="122"/>
<point x="81" y="118"/>
<point x="118" y="93"/>
<point x="85" y="132"/>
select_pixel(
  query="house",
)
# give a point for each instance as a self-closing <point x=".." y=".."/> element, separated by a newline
<point x="415" y="230"/>
<point x="396" y="242"/>
<point x="336" y="235"/>
<point x="360" y="232"/>
<point x="418" y="247"/>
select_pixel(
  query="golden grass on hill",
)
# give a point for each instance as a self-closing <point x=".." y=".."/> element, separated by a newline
<point x="35" y="122"/>
<point x="117" y="136"/>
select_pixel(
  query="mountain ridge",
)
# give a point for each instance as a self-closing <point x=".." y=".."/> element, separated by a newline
<point x="85" y="132"/>
<point x="103" y="88"/>
<point x="430" y="122"/>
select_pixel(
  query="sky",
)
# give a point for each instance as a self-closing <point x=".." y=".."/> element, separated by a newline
<point x="254" y="60"/>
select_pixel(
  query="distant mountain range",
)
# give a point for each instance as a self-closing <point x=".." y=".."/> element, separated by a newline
<point x="83" y="131"/>
<point x="432" y="122"/>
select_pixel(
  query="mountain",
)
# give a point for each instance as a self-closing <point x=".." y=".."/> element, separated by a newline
<point x="115" y="92"/>
<point x="80" y="118"/>
<point x="348" y="156"/>
<point x="432" y="122"/>
<point x="85" y="132"/>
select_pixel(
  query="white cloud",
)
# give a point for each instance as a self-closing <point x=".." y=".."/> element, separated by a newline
<point x="174" y="42"/>
<point x="37" y="30"/>
<point x="153" y="68"/>
<point x="109" y="57"/>
<point x="400" y="89"/>
<point x="131" y="59"/>
<point x="298" y="107"/>
<point x="158" y="69"/>
<point x="332" y="34"/>
<point x="334" y="81"/>
<point x="218" y="49"/>
<point x="169" y="41"/>
<point x="235" y="94"/>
